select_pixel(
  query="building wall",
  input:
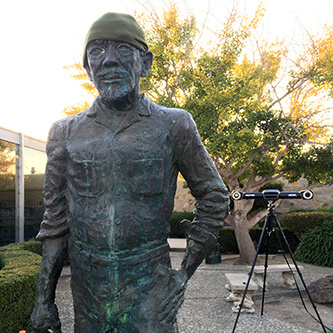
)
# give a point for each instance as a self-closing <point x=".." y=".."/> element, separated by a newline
<point x="184" y="201"/>
<point x="323" y="196"/>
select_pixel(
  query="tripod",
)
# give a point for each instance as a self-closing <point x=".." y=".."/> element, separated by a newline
<point x="271" y="221"/>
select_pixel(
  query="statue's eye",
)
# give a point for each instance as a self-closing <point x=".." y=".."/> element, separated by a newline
<point x="96" y="51"/>
<point x="124" y="50"/>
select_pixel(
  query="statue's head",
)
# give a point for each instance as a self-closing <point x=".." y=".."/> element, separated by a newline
<point x="116" y="56"/>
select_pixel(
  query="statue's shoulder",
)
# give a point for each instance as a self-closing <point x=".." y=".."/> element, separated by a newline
<point x="62" y="127"/>
<point x="176" y="120"/>
<point x="73" y="118"/>
<point x="172" y="114"/>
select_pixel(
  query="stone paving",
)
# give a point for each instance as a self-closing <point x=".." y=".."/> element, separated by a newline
<point x="205" y="309"/>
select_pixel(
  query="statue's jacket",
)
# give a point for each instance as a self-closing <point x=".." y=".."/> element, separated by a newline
<point x="112" y="189"/>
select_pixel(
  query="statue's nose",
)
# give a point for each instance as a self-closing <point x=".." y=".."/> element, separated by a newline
<point x="111" y="57"/>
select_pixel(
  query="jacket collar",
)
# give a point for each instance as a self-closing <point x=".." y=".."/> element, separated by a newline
<point x="142" y="109"/>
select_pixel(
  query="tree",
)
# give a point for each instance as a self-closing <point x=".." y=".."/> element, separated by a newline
<point x="259" y="122"/>
<point x="7" y="163"/>
<point x="173" y="41"/>
<point x="81" y="75"/>
<point x="323" y="50"/>
<point x="260" y="115"/>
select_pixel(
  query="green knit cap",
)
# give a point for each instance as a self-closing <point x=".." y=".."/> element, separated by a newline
<point x="118" y="27"/>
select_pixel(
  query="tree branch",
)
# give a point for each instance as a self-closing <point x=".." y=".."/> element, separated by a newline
<point x="293" y="87"/>
<point x="262" y="182"/>
<point x="244" y="168"/>
<point x="261" y="214"/>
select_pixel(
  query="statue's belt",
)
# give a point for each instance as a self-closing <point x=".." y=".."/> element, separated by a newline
<point x="116" y="260"/>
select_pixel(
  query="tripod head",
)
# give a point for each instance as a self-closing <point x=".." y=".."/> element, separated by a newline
<point x="272" y="195"/>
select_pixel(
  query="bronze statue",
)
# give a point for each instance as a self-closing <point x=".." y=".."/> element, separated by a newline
<point x="109" y="191"/>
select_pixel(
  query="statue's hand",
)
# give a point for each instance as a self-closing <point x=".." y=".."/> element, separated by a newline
<point x="45" y="317"/>
<point x="173" y="293"/>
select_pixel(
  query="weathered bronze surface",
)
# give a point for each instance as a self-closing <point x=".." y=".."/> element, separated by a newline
<point x="109" y="190"/>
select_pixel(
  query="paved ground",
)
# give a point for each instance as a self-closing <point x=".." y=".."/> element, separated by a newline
<point x="206" y="311"/>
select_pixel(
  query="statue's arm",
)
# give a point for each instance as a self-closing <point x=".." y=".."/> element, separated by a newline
<point x="211" y="194"/>
<point x="45" y="314"/>
<point x="212" y="207"/>
<point x="53" y="234"/>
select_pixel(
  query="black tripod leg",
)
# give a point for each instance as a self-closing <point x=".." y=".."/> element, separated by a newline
<point x="251" y="272"/>
<point x="269" y="230"/>
<point x="298" y="271"/>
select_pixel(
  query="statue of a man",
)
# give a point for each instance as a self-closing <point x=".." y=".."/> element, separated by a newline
<point x="109" y="191"/>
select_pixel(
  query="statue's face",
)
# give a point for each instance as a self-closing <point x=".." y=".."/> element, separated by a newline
<point x="115" y="68"/>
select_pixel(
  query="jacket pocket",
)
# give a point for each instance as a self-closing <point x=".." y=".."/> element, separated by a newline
<point x="85" y="175"/>
<point x="145" y="176"/>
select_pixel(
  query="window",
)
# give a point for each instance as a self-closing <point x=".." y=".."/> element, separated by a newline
<point x="22" y="168"/>
<point x="7" y="192"/>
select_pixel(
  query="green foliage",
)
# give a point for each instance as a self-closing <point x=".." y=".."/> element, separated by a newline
<point x="35" y="247"/>
<point x="7" y="162"/>
<point x="261" y="203"/>
<point x="316" y="246"/>
<point x="176" y="217"/>
<point x="301" y="222"/>
<point x="256" y="119"/>
<point x="323" y="73"/>
<point x="324" y="208"/>
<point x="276" y="242"/>
<point x="328" y="209"/>
<point x="315" y="165"/>
<point x="171" y="39"/>
<point x="227" y="236"/>
<point x="229" y="242"/>
<point x="18" y="281"/>
<point x="2" y="261"/>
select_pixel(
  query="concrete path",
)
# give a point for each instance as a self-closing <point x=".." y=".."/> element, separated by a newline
<point x="205" y="309"/>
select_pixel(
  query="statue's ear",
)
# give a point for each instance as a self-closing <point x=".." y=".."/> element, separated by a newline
<point x="147" y="63"/>
<point x="87" y="68"/>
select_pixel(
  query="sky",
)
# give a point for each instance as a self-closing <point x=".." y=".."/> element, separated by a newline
<point x="39" y="37"/>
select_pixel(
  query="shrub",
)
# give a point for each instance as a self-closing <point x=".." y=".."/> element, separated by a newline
<point x="35" y="247"/>
<point x="316" y="246"/>
<point x="276" y="242"/>
<point x="2" y="261"/>
<point x="330" y="209"/>
<point x="301" y="222"/>
<point x="229" y="242"/>
<point x="18" y="281"/>
<point x="176" y="217"/>
<point x="261" y="203"/>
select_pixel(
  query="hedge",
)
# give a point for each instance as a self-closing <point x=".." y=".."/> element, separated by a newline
<point x="18" y="281"/>
<point x="227" y="235"/>
<point x="303" y="221"/>
<point x="229" y="243"/>
<point x="176" y="217"/>
<point x="261" y="203"/>
<point x="316" y="246"/>
<point x="2" y="261"/>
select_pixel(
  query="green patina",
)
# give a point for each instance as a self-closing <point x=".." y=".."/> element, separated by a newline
<point x="115" y="317"/>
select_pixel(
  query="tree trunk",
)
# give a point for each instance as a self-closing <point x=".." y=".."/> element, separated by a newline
<point x="246" y="247"/>
<point x="241" y="226"/>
